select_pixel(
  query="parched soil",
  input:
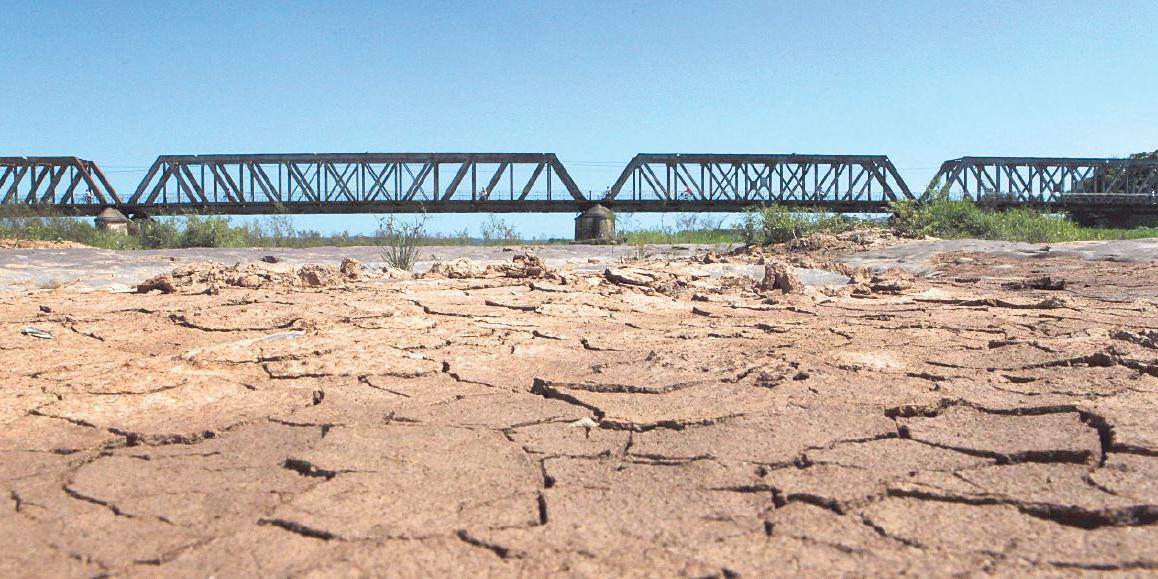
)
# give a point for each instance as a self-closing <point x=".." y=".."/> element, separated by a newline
<point x="641" y="421"/>
<point x="6" y="243"/>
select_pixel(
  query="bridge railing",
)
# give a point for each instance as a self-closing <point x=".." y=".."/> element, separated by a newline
<point x="54" y="181"/>
<point x="751" y="179"/>
<point x="359" y="179"/>
<point x="1047" y="180"/>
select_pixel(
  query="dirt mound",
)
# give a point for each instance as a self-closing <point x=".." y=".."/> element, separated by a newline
<point x="853" y="240"/>
<point x="39" y="244"/>
<point x="209" y="277"/>
<point x="461" y="268"/>
<point x="523" y="265"/>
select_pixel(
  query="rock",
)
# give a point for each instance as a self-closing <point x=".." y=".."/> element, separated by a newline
<point x="584" y="422"/>
<point x="1041" y="283"/>
<point x="461" y="268"/>
<point x="163" y="283"/>
<point x="36" y="333"/>
<point x="271" y="259"/>
<point x="778" y="275"/>
<point x="351" y="268"/>
<point x="532" y="264"/>
<point x="815" y="242"/>
<point x="890" y="282"/>
<point x="1148" y="338"/>
<point x="315" y="275"/>
<point x="250" y="281"/>
<point x="397" y="273"/>
<point x="627" y="277"/>
<point x="208" y="277"/>
<point x="523" y="265"/>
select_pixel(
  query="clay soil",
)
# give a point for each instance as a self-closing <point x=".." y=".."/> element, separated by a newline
<point x="527" y="423"/>
<point x="38" y="244"/>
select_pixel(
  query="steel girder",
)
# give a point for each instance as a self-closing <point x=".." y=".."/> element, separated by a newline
<point x="1049" y="181"/>
<point x="54" y="182"/>
<point x="440" y="181"/>
<point x="744" y="180"/>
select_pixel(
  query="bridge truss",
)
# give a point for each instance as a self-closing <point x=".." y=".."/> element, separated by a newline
<point x="1111" y="190"/>
<point x="710" y="182"/>
<point x="356" y="183"/>
<point x="55" y="182"/>
<point x="1046" y="181"/>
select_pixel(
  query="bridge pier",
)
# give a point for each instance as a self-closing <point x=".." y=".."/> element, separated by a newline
<point x="109" y="219"/>
<point x="595" y="224"/>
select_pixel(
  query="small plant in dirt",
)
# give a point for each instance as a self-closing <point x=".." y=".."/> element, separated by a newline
<point x="398" y="240"/>
<point x="463" y="237"/>
<point x="276" y="230"/>
<point x="496" y="230"/>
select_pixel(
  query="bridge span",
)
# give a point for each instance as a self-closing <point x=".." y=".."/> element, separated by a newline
<point x="1092" y="189"/>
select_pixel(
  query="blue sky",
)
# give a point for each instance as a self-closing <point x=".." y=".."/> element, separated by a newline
<point x="594" y="82"/>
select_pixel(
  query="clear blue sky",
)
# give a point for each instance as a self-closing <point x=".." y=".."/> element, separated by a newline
<point x="594" y="82"/>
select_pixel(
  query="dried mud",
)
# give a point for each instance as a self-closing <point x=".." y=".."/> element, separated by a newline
<point x="6" y="243"/>
<point x="642" y="420"/>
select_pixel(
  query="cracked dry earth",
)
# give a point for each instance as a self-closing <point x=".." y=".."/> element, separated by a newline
<point x="505" y="427"/>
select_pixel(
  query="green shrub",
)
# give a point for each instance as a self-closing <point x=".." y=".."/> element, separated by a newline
<point x="669" y="236"/>
<point x="156" y="233"/>
<point x="778" y="224"/>
<point x="939" y="217"/>
<point x="956" y="218"/>
<point x="30" y="223"/>
<point x="213" y="231"/>
<point x="398" y="241"/>
<point x="688" y="228"/>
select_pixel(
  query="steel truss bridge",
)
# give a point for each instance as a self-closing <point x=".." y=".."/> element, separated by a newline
<point x="357" y="183"/>
<point x="539" y="182"/>
<point x="730" y="182"/>
<point x="58" y="182"/>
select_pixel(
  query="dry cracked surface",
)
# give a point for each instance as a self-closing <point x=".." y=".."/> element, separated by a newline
<point x="958" y="424"/>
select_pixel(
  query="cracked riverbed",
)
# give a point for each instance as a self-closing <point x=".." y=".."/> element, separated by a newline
<point x="983" y="411"/>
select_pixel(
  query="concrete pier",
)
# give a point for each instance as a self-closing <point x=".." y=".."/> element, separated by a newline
<point x="595" y="224"/>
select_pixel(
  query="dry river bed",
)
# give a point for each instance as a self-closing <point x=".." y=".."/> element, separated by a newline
<point x="968" y="420"/>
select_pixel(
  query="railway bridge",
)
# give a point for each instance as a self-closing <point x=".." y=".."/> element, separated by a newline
<point x="1123" y="191"/>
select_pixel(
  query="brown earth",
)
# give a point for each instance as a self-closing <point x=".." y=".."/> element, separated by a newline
<point x="38" y="244"/>
<point x="638" y="421"/>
